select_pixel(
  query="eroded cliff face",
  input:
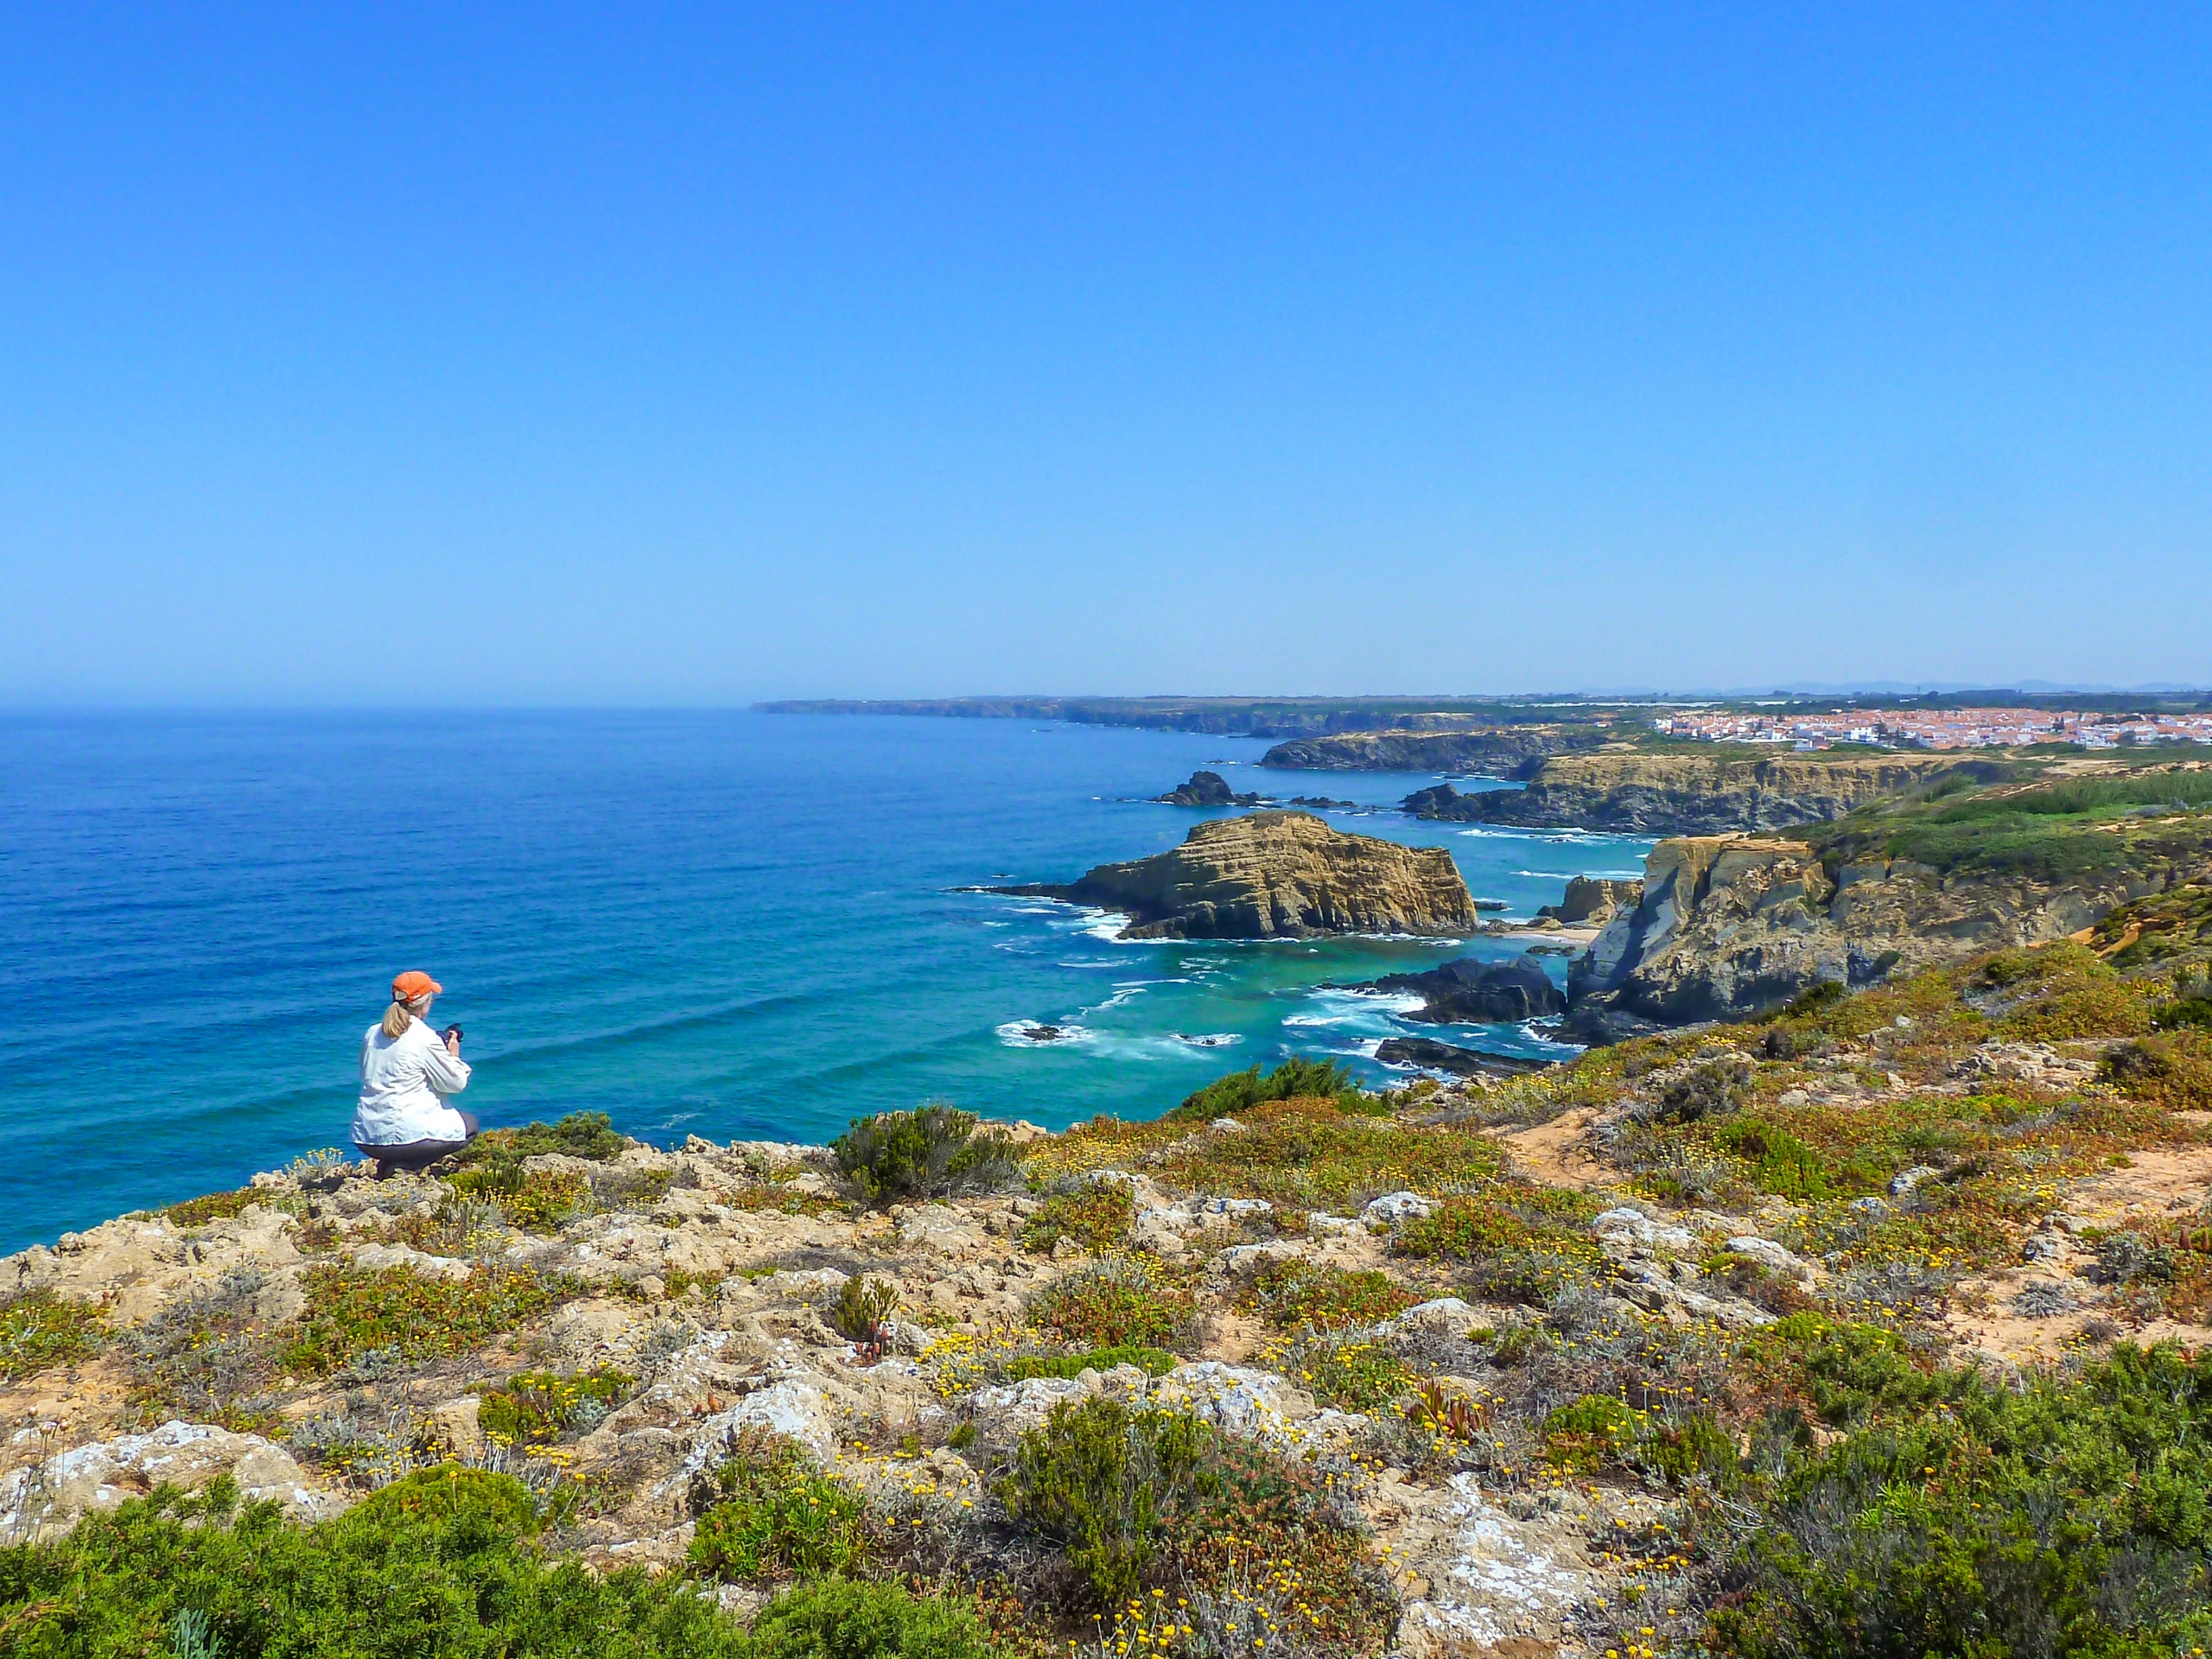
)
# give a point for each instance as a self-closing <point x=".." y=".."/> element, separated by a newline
<point x="1277" y="874"/>
<point x="1730" y="926"/>
<point x="1505" y="750"/>
<point x="1687" y="794"/>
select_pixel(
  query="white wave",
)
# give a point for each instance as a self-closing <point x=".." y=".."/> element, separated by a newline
<point x="1127" y="994"/>
<point x="1018" y="1034"/>
<point x="1354" y="1010"/>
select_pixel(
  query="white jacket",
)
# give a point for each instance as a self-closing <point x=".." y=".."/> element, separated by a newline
<point x="405" y="1081"/>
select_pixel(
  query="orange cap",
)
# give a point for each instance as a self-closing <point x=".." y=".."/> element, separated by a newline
<point x="414" y="983"/>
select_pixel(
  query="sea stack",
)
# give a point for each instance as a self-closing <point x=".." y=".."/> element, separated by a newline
<point x="1276" y="876"/>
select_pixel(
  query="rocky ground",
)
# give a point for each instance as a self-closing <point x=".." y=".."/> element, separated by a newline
<point x="1497" y="1328"/>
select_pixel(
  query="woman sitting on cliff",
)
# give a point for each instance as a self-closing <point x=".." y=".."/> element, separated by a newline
<point x="407" y="1072"/>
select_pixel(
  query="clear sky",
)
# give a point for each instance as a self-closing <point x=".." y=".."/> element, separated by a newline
<point x="659" y="353"/>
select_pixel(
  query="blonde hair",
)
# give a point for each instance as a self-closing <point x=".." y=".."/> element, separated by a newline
<point x="399" y="1016"/>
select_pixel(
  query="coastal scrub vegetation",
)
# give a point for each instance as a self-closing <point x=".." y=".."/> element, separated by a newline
<point x="447" y="1560"/>
<point x="923" y="1154"/>
<point x="396" y="1314"/>
<point x="1294" y="1080"/>
<point x="589" y="1135"/>
<point x="38" y="1329"/>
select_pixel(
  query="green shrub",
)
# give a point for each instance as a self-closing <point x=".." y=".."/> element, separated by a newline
<point x="1293" y="1292"/>
<point x="1520" y="1244"/>
<point x="38" y="1329"/>
<point x="1125" y="1299"/>
<point x="2067" y="1516"/>
<point x="837" y="1618"/>
<point x="862" y="1307"/>
<point x="1588" y="1434"/>
<point x="1351" y="1376"/>
<point x="1849" y="1372"/>
<point x="352" y="1312"/>
<point x="444" y="1561"/>
<point x="1682" y="1449"/>
<point x="932" y="1151"/>
<point x="580" y="1135"/>
<point x="1096" y="1216"/>
<point x="1153" y="1362"/>
<point x="1781" y="1163"/>
<point x="2174" y="1071"/>
<point x="1294" y="1080"/>
<point x="765" y="1511"/>
<point x="215" y="1206"/>
<point x="1103" y="1480"/>
<point x="533" y="1408"/>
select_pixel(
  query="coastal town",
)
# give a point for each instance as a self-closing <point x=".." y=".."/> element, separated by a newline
<point x="1937" y="728"/>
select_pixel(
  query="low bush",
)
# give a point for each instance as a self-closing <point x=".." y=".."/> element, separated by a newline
<point x="862" y="1311"/>
<point x="2175" y="1070"/>
<point x="2065" y="1516"/>
<point x="534" y="1407"/>
<point x="538" y="1199"/>
<point x="1847" y="1372"/>
<point x="1588" y="1434"/>
<point x="1294" y="1080"/>
<point x="1153" y="1362"/>
<point x="765" y="1511"/>
<point x="352" y="1312"/>
<point x="446" y="1562"/>
<point x="1780" y="1163"/>
<point x="1125" y="1299"/>
<point x="204" y="1356"/>
<point x="1293" y="1292"/>
<point x="38" y="1329"/>
<point x="215" y="1206"/>
<point x="1146" y="1499"/>
<point x="1096" y="1215"/>
<point x="932" y="1151"/>
<point x="580" y="1135"/>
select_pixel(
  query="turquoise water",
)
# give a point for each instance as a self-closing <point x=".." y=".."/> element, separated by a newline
<point x="725" y="923"/>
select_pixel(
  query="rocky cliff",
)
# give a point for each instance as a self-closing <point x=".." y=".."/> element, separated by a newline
<point x="1471" y="992"/>
<point x="1633" y="793"/>
<point x="1276" y="875"/>
<point x="1503" y="750"/>
<point x="1730" y="926"/>
<point x="1206" y="789"/>
<point x="1593" y="900"/>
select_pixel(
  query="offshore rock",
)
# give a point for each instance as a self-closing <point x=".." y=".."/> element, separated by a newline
<point x="1206" y="789"/>
<point x="1466" y="992"/>
<point x="1628" y="792"/>
<point x="1275" y="875"/>
<point x="1432" y="1056"/>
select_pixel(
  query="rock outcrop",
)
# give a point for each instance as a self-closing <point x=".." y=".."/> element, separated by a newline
<point x="1275" y="875"/>
<point x="1730" y="926"/>
<point x="1503" y="750"/>
<point x="1632" y="793"/>
<point x="1432" y="1056"/>
<point x="1593" y="900"/>
<point x="1469" y="992"/>
<point x="1206" y="789"/>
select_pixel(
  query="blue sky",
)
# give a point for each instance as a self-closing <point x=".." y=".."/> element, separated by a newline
<point x="676" y="354"/>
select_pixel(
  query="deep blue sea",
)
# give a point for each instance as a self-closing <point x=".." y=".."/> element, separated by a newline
<point x="726" y="923"/>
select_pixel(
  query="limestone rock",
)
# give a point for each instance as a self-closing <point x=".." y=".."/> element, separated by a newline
<point x="1393" y="1208"/>
<point x="1490" y="1578"/>
<point x="50" y="1498"/>
<point x="1593" y="900"/>
<point x="1276" y="875"/>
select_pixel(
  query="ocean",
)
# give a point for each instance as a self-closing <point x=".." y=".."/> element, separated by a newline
<point x="726" y="923"/>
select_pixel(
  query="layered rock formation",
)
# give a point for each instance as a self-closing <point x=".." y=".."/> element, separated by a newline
<point x="1732" y="925"/>
<point x="1206" y="789"/>
<point x="1593" y="900"/>
<point x="1632" y="793"/>
<point x="1469" y="992"/>
<point x="1275" y="874"/>
<point x="1504" y="750"/>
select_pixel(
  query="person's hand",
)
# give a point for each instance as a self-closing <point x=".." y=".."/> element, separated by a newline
<point x="453" y="1044"/>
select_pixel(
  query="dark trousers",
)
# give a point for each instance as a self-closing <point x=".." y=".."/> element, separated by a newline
<point x="419" y="1155"/>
